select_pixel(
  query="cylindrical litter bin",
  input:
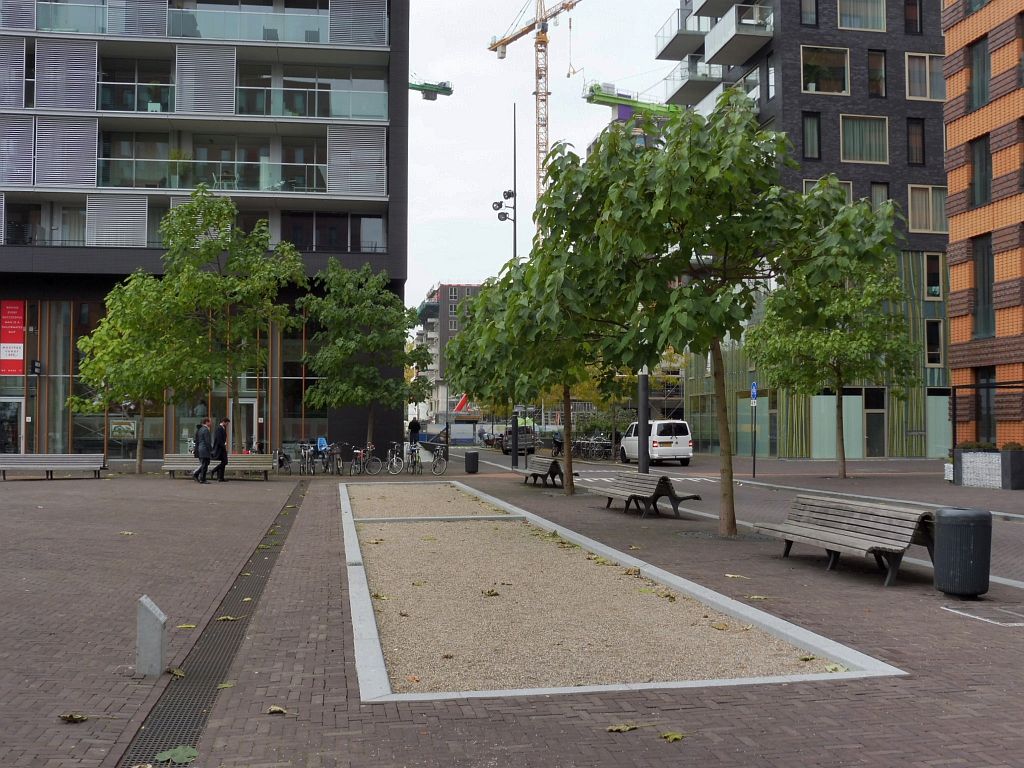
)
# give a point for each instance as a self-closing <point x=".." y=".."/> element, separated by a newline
<point x="963" y="551"/>
<point x="472" y="462"/>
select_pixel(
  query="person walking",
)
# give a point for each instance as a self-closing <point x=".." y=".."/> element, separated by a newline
<point x="220" y="449"/>
<point x="414" y="431"/>
<point x="203" y="451"/>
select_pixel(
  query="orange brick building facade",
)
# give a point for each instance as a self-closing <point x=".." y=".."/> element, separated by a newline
<point x="984" y="120"/>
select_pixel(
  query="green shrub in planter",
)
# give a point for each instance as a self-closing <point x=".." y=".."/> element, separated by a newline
<point x="1012" y="447"/>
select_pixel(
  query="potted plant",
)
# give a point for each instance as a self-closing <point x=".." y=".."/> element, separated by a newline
<point x="1012" y="463"/>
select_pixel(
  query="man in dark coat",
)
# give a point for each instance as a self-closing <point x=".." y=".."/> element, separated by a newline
<point x="203" y="451"/>
<point x="220" y="449"/>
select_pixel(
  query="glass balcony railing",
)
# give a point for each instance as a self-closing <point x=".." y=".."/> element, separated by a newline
<point x="302" y="102"/>
<point x="692" y="68"/>
<point x="681" y="20"/>
<point x="71" y="17"/>
<point x="262" y="176"/>
<point x="247" y="25"/>
<point x="134" y="97"/>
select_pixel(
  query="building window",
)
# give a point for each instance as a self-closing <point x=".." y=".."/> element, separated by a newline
<point x="826" y="70"/>
<point x="453" y="324"/>
<point x="846" y="185"/>
<point x="863" y="139"/>
<point x="879" y="193"/>
<point x="915" y="141"/>
<point x="809" y="13"/>
<point x="812" y="136"/>
<point x="924" y="77"/>
<point x="985" y="417"/>
<point x="912" y="17"/>
<point x="976" y="5"/>
<point x="927" y="209"/>
<point x="981" y="172"/>
<point x="862" y="14"/>
<point x="981" y="71"/>
<point x="933" y="343"/>
<point x="933" y="276"/>
<point x="771" y="76"/>
<point x="984" y="281"/>
<point x="453" y="309"/>
<point x="453" y="292"/>
<point x="876" y="74"/>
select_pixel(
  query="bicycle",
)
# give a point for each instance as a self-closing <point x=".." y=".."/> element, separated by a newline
<point x="307" y="459"/>
<point x="440" y="463"/>
<point x="363" y="460"/>
<point x="415" y="463"/>
<point x="283" y="461"/>
<point x="394" y="462"/>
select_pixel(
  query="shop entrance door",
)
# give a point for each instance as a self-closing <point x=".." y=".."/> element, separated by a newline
<point x="12" y="423"/>
<point x="243" y="426"/>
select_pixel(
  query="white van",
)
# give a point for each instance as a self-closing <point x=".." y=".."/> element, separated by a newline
<point x="668" y="440"/>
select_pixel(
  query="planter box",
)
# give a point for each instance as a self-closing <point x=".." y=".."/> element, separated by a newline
<point x="989" y="469"/>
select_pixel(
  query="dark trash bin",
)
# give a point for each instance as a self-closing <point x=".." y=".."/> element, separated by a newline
<point x="472" y="462"/>
<point x="963" y="551"/>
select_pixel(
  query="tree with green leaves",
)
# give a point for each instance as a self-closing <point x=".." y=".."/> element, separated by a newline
<point x="232" y="281"/>
<point x="831" y="334"/>
<point x="360" y="345"/>
<point x="141" y="352"/>
<point x="670" y="241"/>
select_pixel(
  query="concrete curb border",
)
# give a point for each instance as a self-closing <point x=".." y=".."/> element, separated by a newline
<point x="375" y="686"/>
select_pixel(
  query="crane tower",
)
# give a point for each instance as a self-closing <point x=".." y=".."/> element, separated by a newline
<point x="540" y="45"/>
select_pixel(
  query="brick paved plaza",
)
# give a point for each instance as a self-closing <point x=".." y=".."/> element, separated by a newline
<point x="70" y="577"/>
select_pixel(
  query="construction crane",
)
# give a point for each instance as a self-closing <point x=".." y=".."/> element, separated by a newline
<point x="499" y="46"/>
<point x="606" y="94"/>
<point x="430" y="91"/>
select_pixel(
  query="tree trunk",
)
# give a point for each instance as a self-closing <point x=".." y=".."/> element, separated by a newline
<point x="840" y="439"/>
<point x="369" y="425"/>
<point x="567" y="483"/>
<point x="139" y="442"/>
<point x="727" y="505"/>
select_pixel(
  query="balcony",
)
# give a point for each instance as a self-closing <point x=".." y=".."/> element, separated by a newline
<point x="691" y="81"/>
<point x="681" y="35"/>
<point x="739" y="34"/>
<point x="301" y="102"/>
<point x="261" y="176"/>
<point x="71" y="17"/>
<point x="712" y="8"/>
<point x="248" y="25"/>
<point x="134" y="97"/>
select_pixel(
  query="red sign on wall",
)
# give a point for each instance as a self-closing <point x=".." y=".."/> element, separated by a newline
<point x="12" y="338"/>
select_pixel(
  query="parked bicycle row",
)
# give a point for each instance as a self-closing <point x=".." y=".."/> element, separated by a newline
<point x="344" y="458"/>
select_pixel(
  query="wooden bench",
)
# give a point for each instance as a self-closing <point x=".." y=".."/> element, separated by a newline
<point x="52" y="462"/>
<point x="638" y="488"/>
<point x="856" y="528"/>
<point x="542" y="467"/>
<point x="237" y="462"/>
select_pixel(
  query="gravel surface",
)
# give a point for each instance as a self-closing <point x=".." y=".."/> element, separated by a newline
<point x="494" y="605"/>
<point x="440" y="499"/>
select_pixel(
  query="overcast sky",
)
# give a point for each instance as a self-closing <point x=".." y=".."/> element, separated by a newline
<point x="460" y="147"/>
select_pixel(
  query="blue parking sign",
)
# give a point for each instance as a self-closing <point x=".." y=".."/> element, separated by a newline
<point x="753" y="390"/>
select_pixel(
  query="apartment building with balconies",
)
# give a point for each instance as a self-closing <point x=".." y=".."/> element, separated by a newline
<point x="440" y="322"/>
<point x="984" y="69"/>
<point x="113" y="111"/>
<point x="857" y="87"/>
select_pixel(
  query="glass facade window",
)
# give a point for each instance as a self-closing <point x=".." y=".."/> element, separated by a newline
<point x="981" y="70"/>
<point x="876" y="74"/>
<point x="130" y="85"/>
<point x="933" y="276"/>
<point x="809" y="13"/>
<point x="879" y="193"/>
<point x="927" y="209"/>
<point x="863" y="139"/>
<point x="862" y="14"/>
<point x="912" y="17"/>
<point x="924" y="77"/>
<point x="985" y="415"/>
<point x="812" y="135"/>
<point x="981" y="172"/>
<point x="368" y="234"/>
<point x="825" y="70"/>
<point x="771" y="76"/>
<point x="915" y="141"/>
<point x="846" y="185"/>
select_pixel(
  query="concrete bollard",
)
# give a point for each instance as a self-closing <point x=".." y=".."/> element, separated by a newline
<point x="151" y="643"/>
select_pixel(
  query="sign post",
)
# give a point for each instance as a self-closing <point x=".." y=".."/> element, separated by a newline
<point x="12" y="338"/>
<point x="753" y="423"/>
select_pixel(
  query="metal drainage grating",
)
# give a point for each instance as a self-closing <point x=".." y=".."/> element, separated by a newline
<point x="181" y="712"/>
